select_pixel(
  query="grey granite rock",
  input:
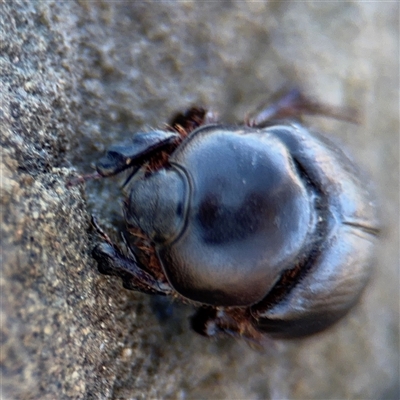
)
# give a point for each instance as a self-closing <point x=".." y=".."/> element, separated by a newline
<point x="77" y="76"/>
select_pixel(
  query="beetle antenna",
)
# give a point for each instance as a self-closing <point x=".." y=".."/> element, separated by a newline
<point x="99" y="230"/>
<point x="128" y="247"/>
<point x="83" y="178"/>
<point x="128" y="179"/>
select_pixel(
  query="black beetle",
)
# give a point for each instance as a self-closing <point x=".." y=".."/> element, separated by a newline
<point x="267" y="227"/>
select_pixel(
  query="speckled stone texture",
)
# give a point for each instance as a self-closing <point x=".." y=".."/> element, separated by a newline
<point x="79" y="75"/>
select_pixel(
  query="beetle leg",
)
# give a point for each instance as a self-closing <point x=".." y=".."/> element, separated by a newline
<point x="295" y="104"/>
<point x="237" y="323"/>
<point x="112" y="262"/>
<point x="194" y="117"/>
<point x="144" y="145"/>
<point x="118" y="158"/>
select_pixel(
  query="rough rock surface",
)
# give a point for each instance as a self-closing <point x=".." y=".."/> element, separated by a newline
<point x="77" y="76"/>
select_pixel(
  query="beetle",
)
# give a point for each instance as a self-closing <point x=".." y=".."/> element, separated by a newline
<point x="266" y="226"/>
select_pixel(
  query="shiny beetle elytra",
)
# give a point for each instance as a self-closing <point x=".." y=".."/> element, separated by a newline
<point x="266" y="227"/>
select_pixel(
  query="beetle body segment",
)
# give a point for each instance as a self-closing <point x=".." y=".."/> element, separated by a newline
<point x="343" y="256"/>
<point x="248" y="217"/>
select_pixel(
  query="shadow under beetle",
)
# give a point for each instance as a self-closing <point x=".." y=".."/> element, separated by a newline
<point x="265" y="226"/>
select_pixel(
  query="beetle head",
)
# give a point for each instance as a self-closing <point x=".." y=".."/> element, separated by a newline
<point x="157" y="205"/>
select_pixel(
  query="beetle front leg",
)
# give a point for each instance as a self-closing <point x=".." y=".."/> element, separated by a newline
<point x="143" y="147"/>
<point x="112" y="262"/>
